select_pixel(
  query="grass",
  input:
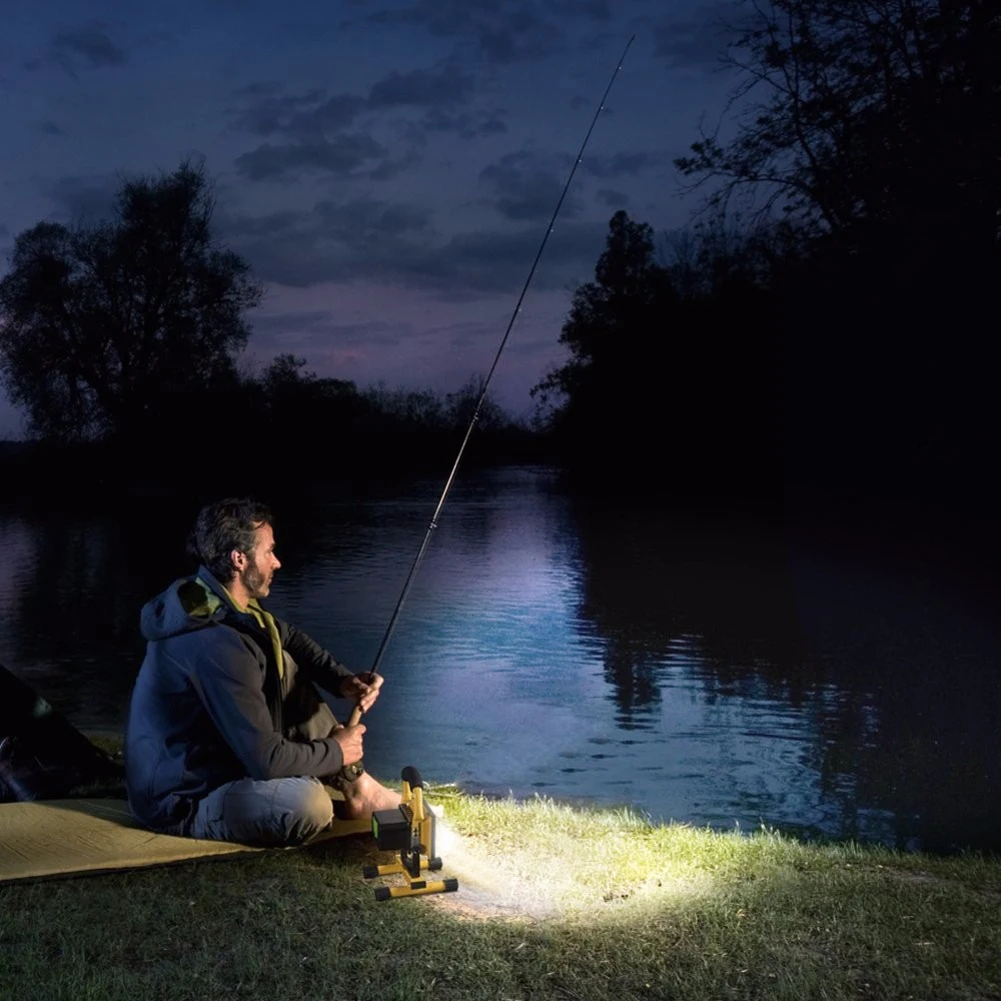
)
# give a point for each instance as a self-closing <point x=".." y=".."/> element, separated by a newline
<point x="554" y="902"/>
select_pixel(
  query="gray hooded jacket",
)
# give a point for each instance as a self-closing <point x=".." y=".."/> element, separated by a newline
<point x="207" y="707"/>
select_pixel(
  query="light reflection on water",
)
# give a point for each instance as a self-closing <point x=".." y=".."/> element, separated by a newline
<point x="698" y="671"/>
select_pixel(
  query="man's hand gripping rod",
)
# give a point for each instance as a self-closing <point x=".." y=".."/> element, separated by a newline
<point x="356" y="713"/>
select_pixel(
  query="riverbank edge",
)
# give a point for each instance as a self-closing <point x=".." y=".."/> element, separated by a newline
<point x="553" y="902"/>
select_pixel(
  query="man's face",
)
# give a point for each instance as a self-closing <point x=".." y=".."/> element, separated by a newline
<point x="261" y="563"/>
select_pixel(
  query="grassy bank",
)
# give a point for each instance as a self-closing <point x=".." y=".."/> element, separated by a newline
<point x="553" y="903"/>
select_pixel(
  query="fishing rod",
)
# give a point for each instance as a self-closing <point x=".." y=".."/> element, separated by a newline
<point x="357" y="712"/>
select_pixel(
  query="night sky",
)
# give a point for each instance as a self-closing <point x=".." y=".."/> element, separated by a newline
<point x="387" y="169"/>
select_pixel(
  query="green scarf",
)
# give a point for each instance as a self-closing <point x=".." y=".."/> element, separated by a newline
<point x="264" y="618"/>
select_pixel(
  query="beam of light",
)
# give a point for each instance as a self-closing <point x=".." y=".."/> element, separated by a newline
<point x="544" y="876"/>
<point x="483" y="886"/>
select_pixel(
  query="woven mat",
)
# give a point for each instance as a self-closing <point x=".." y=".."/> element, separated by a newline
<point x="76" y="836"/>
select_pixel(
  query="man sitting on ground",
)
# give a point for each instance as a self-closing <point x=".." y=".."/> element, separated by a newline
<point x="227" y="737"/>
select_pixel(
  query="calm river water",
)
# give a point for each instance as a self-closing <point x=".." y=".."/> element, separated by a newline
<point x="706" y="670"/>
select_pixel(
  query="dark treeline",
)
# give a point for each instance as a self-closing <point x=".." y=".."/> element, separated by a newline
<point x="830" y="320"/>
<point x="120" y="341"/>
<point x="284" y="431"/>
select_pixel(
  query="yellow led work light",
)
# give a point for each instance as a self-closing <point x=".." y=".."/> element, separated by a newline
<point x="408" y="829"/>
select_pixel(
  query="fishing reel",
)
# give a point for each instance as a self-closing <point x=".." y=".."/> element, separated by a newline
<point x="409" y="829"/>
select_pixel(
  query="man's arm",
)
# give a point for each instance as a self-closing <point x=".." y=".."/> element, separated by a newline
<point x="322" y="669"/>
<point x="229" y="681"/>
<point x="318" y="664"/>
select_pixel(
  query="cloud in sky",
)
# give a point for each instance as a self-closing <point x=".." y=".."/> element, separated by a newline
<point x="387" y="167"/>
<point x="525" y="187"/>
<point x="77" y="199"/>
<point x="499" y="32"/>
<point x="86" y="46"/>
<point x="332" y="133"/>
<point x="621" y="164"/>
<point x="305" y="116"/>
<point x="396" y="244"/>
<point x="465" y="125"/>
<point x="352" y="155"/>
<point x="434" y="88"/>
<point x="612" y="198"/>
<point x="697" y="39"/>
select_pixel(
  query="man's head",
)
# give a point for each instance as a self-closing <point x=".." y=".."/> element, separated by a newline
<point x="234" y="539"/>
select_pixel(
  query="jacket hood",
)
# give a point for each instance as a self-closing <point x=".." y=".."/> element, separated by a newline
<point x="188" y="604"/>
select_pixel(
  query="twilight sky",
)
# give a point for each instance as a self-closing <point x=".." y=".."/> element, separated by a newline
<point x="387" y="168"/>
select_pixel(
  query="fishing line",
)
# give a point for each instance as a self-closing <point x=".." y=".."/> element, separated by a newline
<point x="357" y="712"/>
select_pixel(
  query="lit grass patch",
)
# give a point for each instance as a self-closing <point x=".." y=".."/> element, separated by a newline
<point x="553" y="902"/>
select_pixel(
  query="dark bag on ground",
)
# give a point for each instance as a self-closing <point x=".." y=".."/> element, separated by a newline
<point x="42" y="755"/>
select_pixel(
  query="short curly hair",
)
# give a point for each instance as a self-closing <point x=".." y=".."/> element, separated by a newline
<point x="222" y="527"/>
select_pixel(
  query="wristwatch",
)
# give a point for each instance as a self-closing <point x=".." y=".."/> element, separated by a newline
<point x="351" y="773"/>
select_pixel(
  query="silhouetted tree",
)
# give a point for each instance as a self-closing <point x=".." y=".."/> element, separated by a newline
<point x="285" y="373"/>
<point x="852" y="116"/>
<point x="614" y="326"/>
<point x="316" y="422"/>
<point x="876" y="130"/>
<point x="418" y="408"/>
<point x="460" y="406"/>
<point x="101" y="325"/>
<point x="662" y="387"/>
<point x="724" y="255"/>
<point x="292" y="391"/>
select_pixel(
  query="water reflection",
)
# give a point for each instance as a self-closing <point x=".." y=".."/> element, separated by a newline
<point x="866" y="676"/>
<point x="67" y="608"/>
<point x="708" y="670"/>
<point x="658" y="588"/>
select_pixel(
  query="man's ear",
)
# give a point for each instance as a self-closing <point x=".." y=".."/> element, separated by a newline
<point x="238" y="558"/>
